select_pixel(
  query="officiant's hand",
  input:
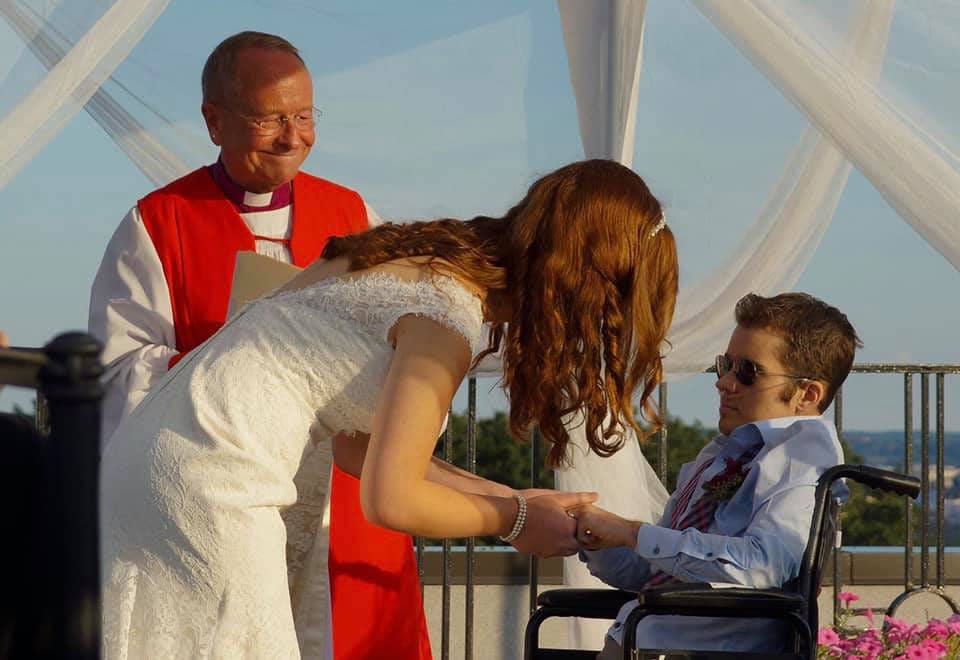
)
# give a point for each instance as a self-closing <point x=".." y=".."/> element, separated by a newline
<point x="598" y="529"/>
<point x="549" y="530"/>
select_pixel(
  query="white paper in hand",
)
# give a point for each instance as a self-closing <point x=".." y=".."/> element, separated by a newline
<point x="254" y="276"/>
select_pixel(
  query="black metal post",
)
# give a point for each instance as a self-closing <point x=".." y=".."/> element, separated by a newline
<point x="447" y="562"/>
<point x="908" y="469"/>
<point x="940" y="478"/>
<point x="421" y="569"/>
<point x="71" y="384"/>
<point x="534" y="565"/>
<point x="838" y="423"/>
<point x="471" y="542"/>
<point x="925" y="479"/>
<point x="662" y="435"/>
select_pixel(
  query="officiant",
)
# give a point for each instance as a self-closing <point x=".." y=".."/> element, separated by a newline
<point x="163" y="286"/>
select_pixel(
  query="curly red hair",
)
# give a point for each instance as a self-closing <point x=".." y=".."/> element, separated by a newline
<point x="591" y="289"/>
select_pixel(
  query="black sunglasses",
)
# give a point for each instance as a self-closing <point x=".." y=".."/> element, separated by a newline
<point x="745" y="371"/>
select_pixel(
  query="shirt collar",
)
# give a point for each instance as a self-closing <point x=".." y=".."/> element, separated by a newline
<point x="767" y="428"/>
<point x="766" y="425"/>
<point x="246" y="201"/>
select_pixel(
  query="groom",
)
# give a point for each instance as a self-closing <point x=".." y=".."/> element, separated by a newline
<point x="742" y="510"/>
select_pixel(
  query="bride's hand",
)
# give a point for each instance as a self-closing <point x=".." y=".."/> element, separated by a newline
<point x="549" y="530"/>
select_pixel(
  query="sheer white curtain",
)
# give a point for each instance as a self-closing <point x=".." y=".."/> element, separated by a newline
<point x="917" y="174"/>
<point x="604" y="42"/>
<point x="75" y="77"/>
<point x="786" y="232"/>
<point x="49" y="45"/>
<point x="13" y="48"/>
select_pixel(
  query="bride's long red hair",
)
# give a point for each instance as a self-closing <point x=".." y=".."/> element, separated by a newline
<point x="591" y="291"/>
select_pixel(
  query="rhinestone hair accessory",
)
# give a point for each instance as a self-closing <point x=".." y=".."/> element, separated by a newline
<point x="660" y="225"/>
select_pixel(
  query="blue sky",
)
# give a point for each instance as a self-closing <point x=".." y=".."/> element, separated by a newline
<point x="446" y="108"/>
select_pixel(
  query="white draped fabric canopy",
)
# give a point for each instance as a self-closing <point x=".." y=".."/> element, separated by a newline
<point x="857" y="105"/>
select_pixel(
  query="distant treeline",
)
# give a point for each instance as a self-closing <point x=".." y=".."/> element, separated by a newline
<point x="885" y="448"/>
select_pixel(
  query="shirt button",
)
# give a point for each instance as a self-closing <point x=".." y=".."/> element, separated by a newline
<point x="656" y="550"/>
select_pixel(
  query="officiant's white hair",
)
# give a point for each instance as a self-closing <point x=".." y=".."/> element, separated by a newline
<point x="219" y="75"/>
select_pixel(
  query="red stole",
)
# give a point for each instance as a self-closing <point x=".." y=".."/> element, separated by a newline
<point x="197" y="232"/>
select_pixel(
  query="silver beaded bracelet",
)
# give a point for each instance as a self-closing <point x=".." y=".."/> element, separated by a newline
<point x="519" y="522"/>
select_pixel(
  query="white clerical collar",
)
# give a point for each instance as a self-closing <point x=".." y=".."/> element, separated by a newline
<point x="257" y="199"/>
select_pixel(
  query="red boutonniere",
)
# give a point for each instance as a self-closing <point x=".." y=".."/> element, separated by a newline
<point x="724" y="485"/>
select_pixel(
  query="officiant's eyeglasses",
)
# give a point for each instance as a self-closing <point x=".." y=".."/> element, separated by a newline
<point x="302" y="121"/>
<point x="746" y="371"/>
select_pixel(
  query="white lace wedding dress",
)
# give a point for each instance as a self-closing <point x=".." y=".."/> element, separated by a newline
<point x="212" y="491"/>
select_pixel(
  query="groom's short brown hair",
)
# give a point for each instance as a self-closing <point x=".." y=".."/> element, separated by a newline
<point x="818" y="340"/>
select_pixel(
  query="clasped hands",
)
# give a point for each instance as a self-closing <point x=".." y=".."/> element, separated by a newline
<point x="598" y="529"/>
<point x="562" y="523"/>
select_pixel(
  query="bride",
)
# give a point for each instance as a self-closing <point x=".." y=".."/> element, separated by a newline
<point x="357" y="360"/>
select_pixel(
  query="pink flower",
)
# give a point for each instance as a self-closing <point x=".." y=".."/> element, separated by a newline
<point x="869" y="645"/>
<point x="846" y="598"/>
<point x="868" y="613"/>
<point x="915" y="652"/>
<point x="936" y="629"/>
<point x="863" y="655"/>
<point x="843" y="646"/>
<point x="953" y="623"/>
<point x="934" y="648"/>
<point x="898" y="640"/>
<point x="827" y="637"/>
<point x="897" y="631"/>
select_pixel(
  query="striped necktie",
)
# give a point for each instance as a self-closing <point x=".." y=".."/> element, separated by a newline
<point x="701" y="513"/>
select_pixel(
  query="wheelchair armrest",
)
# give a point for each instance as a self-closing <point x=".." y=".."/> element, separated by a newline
<point x="601" y="603"/>
<point x="698" y="599"/>
<point x="894" y="482"/>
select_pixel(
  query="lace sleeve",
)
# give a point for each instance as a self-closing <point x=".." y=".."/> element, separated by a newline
<point x="447" y="302"/>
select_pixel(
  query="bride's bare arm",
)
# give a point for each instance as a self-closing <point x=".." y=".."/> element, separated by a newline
<point x="428" y="365"/>
<point x="441" y="472"/>
<point x="349" y="452"/>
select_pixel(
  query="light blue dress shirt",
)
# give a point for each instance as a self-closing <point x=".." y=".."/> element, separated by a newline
<point x="756" y="539"/>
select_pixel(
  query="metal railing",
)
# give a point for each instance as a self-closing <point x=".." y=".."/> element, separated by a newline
<point x="910" y="587"/>
<point x="909" y="371"/>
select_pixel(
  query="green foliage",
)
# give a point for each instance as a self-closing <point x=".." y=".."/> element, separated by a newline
<point x="872" y="517"/>
<point x="500" y="456"/>
<point x="684" y="442"/>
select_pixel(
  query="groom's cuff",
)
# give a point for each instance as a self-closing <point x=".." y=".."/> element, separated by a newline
<point x="655" y="543"/>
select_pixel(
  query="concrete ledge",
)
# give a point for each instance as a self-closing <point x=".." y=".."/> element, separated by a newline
<point x="884" y="568"/>
<point x="501" y="612"/>
<point x="503" y="567"/>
